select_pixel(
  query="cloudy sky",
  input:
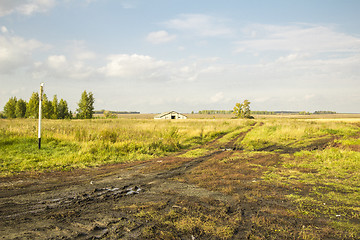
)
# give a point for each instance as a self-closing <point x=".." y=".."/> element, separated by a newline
<point x="158" y="55"/>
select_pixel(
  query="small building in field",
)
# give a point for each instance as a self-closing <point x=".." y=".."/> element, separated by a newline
<point x="170" y="115"/>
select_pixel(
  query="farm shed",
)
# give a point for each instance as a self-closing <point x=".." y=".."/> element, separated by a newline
<point x="170" y="115"/>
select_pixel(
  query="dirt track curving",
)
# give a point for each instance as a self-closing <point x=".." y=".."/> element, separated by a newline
<point x="114" y="202"/>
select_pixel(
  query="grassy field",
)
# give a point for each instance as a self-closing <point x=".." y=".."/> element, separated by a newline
<point x="312" y="163"/>
<point x="68" y="144"/>
<point x="315" y="164"/>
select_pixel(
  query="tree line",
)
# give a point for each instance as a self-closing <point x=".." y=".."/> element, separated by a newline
<point x="241" y="110"/>
<point x="324" y="112"/>
<point x="232" y="112"/>
<point x="264" y="112"/>
<point x="215" y="112"/>
<point x="55" y="109"/>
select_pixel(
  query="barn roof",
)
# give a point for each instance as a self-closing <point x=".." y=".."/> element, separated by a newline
<point x="167" y="113"/>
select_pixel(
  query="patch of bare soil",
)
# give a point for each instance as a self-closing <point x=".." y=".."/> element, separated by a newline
<point x="165" y="198"/>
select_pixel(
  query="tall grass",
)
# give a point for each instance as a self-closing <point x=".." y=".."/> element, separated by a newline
<point x="317" y="170"/>
<point x="325" y="182"/>
<point x="289" y="133"/>
<point x="69" y="144"/>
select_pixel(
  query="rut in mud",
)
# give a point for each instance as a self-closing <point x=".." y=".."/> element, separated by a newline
<point x="165" y="198"/>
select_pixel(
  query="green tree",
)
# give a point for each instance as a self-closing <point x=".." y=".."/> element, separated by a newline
<point x="20" y="109"/>
<point x="81" y="111"/>
<point x="10" y="107"/>
<point x="55" y="106"/>
<point x="90" y="105"/>
<point x="86" y="106"/>
<point x="32" y="107"/>
<point x="238" y="110"/>
<point x="246" y="109"/>
<point x="109" y="114"/>
<point x="63" y="110"/>
<point x="242" y="110"/>
<point x="47" y="107"/>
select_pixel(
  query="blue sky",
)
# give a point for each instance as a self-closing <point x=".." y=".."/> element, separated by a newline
<point x="158" y="55"/>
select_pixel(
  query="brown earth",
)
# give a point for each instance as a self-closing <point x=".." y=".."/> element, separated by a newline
<point x="165" y="198"/>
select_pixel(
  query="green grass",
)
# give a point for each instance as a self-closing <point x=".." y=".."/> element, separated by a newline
<point x="185" y="218"/>
<point x="318" y="167"/>
<point x="68" y="144"/>
<point x="327" y="186"/>
<point x="294" y="134"/>
<point x="315" y="164"/>
<point x="195" y="153"/>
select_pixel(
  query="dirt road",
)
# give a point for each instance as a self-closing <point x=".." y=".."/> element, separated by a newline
<point x="156" y="199"/>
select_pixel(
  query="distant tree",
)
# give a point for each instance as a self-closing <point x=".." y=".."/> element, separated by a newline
<point x="246" y="107"/>
<point x="55" y="106"/>
<point x="10" y="107"/>
<point x="63" y="110"/>
<point x="86" y="106"/>
<point x="32" y="107"/>
<point x="109" y="114"/>
<point x="238" y="110"/>
<point x="50" y="109"/>
<point x="20" y="109"/>
<point x="90" y="105"/>
<point x="215" y="112"/>
<point x="262" y="112"/>
<point x="242" y="110"/>
<point x="47" y="107"/>
<point x="81" y="111"/>
<point x="324" y="112"/>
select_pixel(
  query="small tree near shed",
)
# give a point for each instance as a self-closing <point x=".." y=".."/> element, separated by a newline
<point x="242" y="110"/>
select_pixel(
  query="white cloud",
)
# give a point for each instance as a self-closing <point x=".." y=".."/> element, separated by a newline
<point x="85" y="55"/>
<point x="79" y="50"/>
<point x="142" y="67"/>
<point x="60" y="67"/>
<point x="16" y="52"/>
<point x="71" y="64"/>
<point x="291" y="57"/>
<point x="160" y="37"/>
<point x="4" y="29"/>
<point x="200" y="24"/>
<point x="261" y="99"/>
<point x="139" y="66"/>
<point x="57" y="62"/>
<point x="217" y="97"/>
<point x="297" y="38"/>
<point x="128" y="4"/>
<point x="25" y="7"/>
<point x="309" y="96"/>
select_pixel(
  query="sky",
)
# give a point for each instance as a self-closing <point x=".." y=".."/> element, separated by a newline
<point x="154" y="56"/>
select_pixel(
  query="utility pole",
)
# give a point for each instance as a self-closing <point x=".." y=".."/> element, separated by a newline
<point x="40" y="101"/>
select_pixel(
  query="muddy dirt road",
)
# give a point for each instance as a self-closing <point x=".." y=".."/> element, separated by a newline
<point x="156" y="199"/>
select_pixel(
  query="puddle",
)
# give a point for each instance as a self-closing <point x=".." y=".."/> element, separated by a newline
<point x="117" y="191"/>
<point x="227" y="149"/>
<point x="134" y="190"/>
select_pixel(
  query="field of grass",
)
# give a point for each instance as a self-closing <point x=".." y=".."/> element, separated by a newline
<point x="313" y="164"/>
<point x="300" y="176"/>
<point x="68" y="144"/>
